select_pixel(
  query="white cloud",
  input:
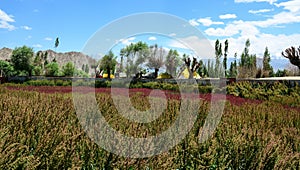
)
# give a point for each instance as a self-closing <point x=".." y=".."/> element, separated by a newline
<point x="127" y="41"/>
<point x="26" y="28"/>
<point x="152" y="38"/>
<point x="228" y="16"/>
<point x="208" y="22"/>
<point x="249" y="1"/>
<point x="260" y="11"/>
<point x="5" y="17"/>
<point x="220" y="32"/>
<point x="201" y="47"/>
<point x="193" y="22"/>
<point x="292" y="5"/>
<point x="278" y="19"/>
<point x="237" y="27"/>
<point x="48" y="39"/>
<point x="5" y="21"/>
<point x="37" y="46"/>
<point x="177" y="44"/>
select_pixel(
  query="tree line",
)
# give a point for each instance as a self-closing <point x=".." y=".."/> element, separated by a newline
<point x="136" y="59"/>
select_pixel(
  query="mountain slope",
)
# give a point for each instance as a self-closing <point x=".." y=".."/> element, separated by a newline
<point x="76" y="58"/>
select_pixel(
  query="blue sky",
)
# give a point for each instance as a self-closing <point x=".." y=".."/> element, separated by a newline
<point x="36" y="23"/>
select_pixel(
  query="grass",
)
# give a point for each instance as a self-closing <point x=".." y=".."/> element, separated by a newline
<point x="41" y="131"/>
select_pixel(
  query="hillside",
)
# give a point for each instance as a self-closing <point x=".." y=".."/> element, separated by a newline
<point x="77" y="58"/>
<point x="5" y="53"/>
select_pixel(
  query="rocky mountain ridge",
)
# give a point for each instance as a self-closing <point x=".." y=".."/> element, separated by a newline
<point x="77" y="58"/>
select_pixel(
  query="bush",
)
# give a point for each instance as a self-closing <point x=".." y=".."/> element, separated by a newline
<point x="40" y="83"/>
<point x="46" y="82"/>
<point x="102" y="83"/>
<point x="277" y="91"/>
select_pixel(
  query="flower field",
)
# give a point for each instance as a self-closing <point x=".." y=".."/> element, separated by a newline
<point x="39" y="129"/>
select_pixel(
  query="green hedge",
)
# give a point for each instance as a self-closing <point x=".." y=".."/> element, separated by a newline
<point x="48" y="83"/>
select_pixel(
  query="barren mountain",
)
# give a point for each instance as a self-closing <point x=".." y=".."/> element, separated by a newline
<point x="76" y="58"/>
<point x="5" y="53"/>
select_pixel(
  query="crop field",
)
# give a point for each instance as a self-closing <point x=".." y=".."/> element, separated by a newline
<point x="259" y="129"/>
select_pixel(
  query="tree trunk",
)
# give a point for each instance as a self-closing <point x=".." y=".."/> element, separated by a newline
<point x="156" y="73"/>
<point x="108" y="72"/>
<point x="191" y="75"/>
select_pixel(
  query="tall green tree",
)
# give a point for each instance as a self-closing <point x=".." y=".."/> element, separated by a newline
<point x="247" y="65"/>
<point x="233" y="68"/>
<point x="211" y="69"/>
<point x="108" y="63"/>
<point x="225" y="57"/>
<point x="87" y="69"/>
<point x="202" y="71"/>
<point x="218" y="54"/>
<point x="267" y="68"/>
<point x="122" y="54"/>
<point x="21" y="59"/>
<point x="172" y="62"/>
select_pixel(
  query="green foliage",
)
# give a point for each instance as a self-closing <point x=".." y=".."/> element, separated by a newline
<point x="85" y="68"/>
<point x="281" y="73"/>
<point x="247" y="65"/>
<point x="68" y="69"/>
<point x="52" y="69"/>
<point x="225" y="57"/>
<point x="233" y="70"/>
<point x="37" y="70"/>
<point x="21" y="59"/>
<point x="218" y="69"/>
<point x="100" y="83"/>
<point x="165" y="75"/>
<point x="267" y="68"/>
<point x="48" y="82"/>
<point x="6" y="69"/>
<point x="172" y="62"/>
<point x="80" y="73"/>
<point x="108" y="63"/>
<point x="202" y="71"/>
<point x="38" y="59"/>
<point x="278" y="92"/>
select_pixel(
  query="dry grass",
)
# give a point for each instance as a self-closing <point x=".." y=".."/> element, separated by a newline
<point x="41" y="131"/>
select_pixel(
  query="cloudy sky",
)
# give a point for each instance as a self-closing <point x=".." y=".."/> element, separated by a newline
<point x="36" y="23"/>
